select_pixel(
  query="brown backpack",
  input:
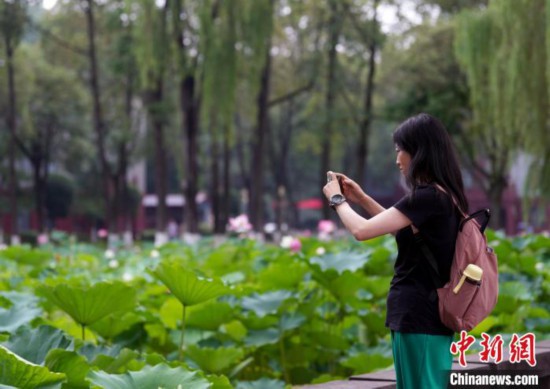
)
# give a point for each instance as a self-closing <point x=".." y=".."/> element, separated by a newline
<point x="472" y="290"/>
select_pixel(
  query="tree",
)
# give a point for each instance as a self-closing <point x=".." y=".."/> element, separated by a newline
<point x="152" y="54"/>
<point x="59" y="197"/>
<point x="262" y="128"/>
<point x="98" y="119"/>
<point x="51" y="105"/>
<point x="12" y="21"/>
<point x="502" y="51"/>
<point x="371" y="38"/>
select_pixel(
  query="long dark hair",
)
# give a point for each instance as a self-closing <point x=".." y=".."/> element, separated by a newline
<point x="433" y="156"/>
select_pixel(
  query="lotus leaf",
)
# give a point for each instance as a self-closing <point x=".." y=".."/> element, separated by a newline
<point x="159" y="376"/>
<point x="114" y="365"/>
<point x="26" y="255"/>
<point x="262" y="337"/>
<point x="22" y="374"/>
<point x="188" y="288"/>
<point x="91" y="352"/>
<point x="74" y="366"/>
<point x="291" y="321"/>
<point x="485" y="325"/>
<point x="330" y="341"/>
<point x="235" y="329"/>
<point x="23" y="310"/>
<point x="88" y="304"/>
<point x="267" y="303"/>
<point x="210" y="315"/>
<point x="111" y="326"/>
<point x="340" y="262"/>
<point x="171" y="312"/>
<point x="366" y="362"/>
<point x="219" y="382"/>
<point x="34" y="344"/>
<point x="283" y="275"/>
<point x="215" y="360"/>
<point x="262" y="383"/>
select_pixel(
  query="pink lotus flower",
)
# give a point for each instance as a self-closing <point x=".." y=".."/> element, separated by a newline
<point x="102" y="233"/>
<point x="326" y="226"/>
<point x="289" y="242"/>
<point x="239" y="224"/>
<point x="42" y="239"/>
<point x="295" y="245"/>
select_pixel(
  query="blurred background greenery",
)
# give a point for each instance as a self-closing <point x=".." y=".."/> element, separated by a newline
<point x="223" y="107"/>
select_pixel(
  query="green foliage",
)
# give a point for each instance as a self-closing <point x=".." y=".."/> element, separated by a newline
<point x="19" y="373"/>
<point x="503" y="52"/>
<point x="71" y="364"/>
<point x="151" y="378"/>
<point x="263" y="383"/>
<point x="267" y="303"/>
<point x="215" y="360"/>
<point x="23" y="308"/>
<point x="34" y="344"/>
<point x="330" y="323"/>
<point x="26" y="255"/>
<point x="185" y="285"/>
<point x="87" y="304"/>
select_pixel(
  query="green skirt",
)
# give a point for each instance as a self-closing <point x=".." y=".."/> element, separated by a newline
<point x="421" y="360"/>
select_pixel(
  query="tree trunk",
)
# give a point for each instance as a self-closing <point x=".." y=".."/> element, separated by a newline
<point x="216" y="182"/>
<point x="279" y="163"/>
<point x="365" y="127"/>
<point x="12" y="128"/>
<point x="160" y="157"/>
<point x="226" y="194"/>
<point x="329" y="101"/>
<point x="99" y="125"/>
<point x="496" y="187"/>
<point x="262" y="128"/>
<point x="39" y="190"/>
<point x="190" y="109"/>
<point x="122" y="212"/>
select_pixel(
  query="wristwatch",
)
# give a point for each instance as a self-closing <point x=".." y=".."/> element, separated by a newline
<point x="336" y="200"/>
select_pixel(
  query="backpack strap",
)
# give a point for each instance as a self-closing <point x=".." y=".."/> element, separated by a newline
<point x="464" y="214"/>
<point x="486" y="212"/>
<point x="433" y="268"/>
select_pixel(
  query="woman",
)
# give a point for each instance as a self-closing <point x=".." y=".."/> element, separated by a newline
<point x="426" y="158"/>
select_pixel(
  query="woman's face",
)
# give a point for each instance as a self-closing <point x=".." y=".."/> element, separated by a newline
<point x="403" y="160"/>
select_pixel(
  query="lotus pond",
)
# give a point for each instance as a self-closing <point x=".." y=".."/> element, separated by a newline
<point x="239" y="314"/>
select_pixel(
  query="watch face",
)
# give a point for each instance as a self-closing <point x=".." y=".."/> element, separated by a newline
<point x="337" y="199"/>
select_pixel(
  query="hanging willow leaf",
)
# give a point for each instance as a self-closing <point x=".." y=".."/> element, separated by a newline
<point x="87" y="304"/>
<point x="19" y="373"/>
<point x="188" y="288"/>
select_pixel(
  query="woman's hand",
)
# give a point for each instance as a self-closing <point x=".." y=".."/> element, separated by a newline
<point x="332" y="187"/>
<point x="350" y="189"/>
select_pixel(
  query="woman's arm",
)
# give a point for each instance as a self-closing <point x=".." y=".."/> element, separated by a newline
<point x="385" y="222"/>
<point x="370" y="205"/>
<point x="355" y="194"/>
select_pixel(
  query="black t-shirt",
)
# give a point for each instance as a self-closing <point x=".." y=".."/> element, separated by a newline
<point x="412" y="305"/>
